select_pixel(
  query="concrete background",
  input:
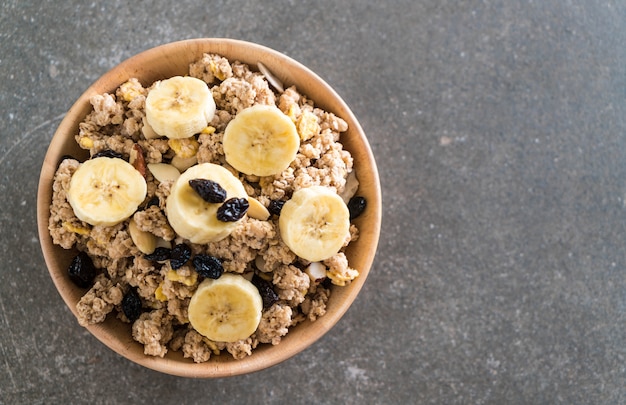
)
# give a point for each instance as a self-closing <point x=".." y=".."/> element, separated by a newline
<point x="498" y="128"/>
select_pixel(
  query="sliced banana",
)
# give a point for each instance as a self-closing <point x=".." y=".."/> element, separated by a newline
<point x="179" y="107"/>
<point x="106" y="191"/>
<point x="314" y="223"/>
<point x="227" y="309"/>
<point x="261" y="141"/>
<point x="163" y="172"/>
<point x="146" y="242"/>
<point x="257" y="210"/>
<point x="192" y="217"/>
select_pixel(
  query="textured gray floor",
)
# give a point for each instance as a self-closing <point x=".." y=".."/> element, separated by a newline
<point x="498" y="129"/>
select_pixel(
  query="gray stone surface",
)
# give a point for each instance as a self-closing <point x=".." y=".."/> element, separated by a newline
<point x="499" y="132"/>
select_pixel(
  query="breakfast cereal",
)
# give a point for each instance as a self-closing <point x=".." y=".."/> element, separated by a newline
<point x="116" y="125"/>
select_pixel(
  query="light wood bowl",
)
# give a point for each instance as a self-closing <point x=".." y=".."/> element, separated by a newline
<point x="170" y="60"/>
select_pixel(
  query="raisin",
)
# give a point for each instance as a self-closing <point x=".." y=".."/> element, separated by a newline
<point x="208" y="266"/>
<point x="232" y="210"/>
<point x="356" y="206"/>
<point x="81" y="270"/>
<point x="268" y="294"/>
<point x="275" y="207"/>
<point x="153" y="201"/>
<point x="180" y="255"/>
<point x="160" y="254"/>
<point x="209" y="190"/>
<point x="65" y="157"/>
<point x="131" y="305"/>
<point x="108" y="153"/>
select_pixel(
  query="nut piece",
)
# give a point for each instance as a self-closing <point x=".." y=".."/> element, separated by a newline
<point x="273" y="80"/>
<point x="352" y="185"/>
<point x="163" y="172"/>
<point x="183" y="164"/>
<point x="137" y="159"/>
<point x="145" y="241"/>
<point x="316" y="272"/>
<point x="257" y="210"/>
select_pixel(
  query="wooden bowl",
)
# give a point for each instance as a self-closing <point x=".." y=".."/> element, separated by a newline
<point x="170" y="60"/>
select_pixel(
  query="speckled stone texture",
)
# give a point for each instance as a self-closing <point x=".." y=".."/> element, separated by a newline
<point x="499" y="132"/>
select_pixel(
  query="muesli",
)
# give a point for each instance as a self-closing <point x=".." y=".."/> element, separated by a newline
<point x="213" y="212"/>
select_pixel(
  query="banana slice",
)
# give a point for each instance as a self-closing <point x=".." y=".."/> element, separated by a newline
<point x="227" y="309"/>
<point x="192" y="217"/>
<point x="314" y="223"/>
<point x="179" y="107"/>
<point x="261" y="140"/>
<point x="106" y="191"/>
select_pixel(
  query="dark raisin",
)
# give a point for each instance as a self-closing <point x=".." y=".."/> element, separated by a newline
<point x="160" y="254"/>
<point x="108" y="153"/>
<point x="275" y="207"/>
<point x="153" y="201"/>
<point x="209" y="190"/>
<point x="131" y="305"/>
<point x="208" y="266"/>
<point x="232" y="210"/>
<point x="82" y="271"/>
<point x="356" y="206"/>
<point x="65" y="157"/>
<point x="268" y="294"/>
<point x="180" y="255"/>
<point x="327" y="283"/>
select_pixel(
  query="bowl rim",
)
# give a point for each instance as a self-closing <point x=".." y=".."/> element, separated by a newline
<point x="217" y="366"/>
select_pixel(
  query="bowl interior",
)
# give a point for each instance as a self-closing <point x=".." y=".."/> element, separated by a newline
<point x="170" y="60"/>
